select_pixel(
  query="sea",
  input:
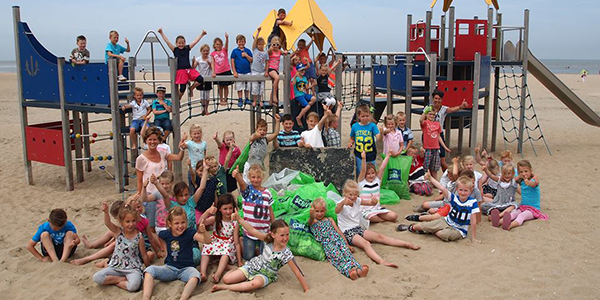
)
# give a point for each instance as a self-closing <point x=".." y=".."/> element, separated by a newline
<point x="558" y="66"/>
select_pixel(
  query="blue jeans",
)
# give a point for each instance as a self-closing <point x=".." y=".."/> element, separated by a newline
<point x="170" y="273"/>
<point x="137" y="124"/>
<point x="165" y="124"/>
<point x="250" y="246"/>
<point x="359" y="164"/>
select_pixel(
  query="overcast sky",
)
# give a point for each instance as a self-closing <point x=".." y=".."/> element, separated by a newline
<point x="558" y="29"/>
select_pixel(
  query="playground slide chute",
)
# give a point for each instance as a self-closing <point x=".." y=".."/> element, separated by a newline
<point x="561" y="91"/>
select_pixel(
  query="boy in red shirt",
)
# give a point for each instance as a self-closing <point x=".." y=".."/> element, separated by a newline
<point x="431" y="141"/>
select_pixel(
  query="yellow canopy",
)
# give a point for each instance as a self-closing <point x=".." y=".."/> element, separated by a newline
<point x="447" y="4"/>
<point x="307" y="18"/>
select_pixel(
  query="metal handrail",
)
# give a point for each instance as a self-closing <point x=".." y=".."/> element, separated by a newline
<point x="144" y="40"/>
<point x="422" y="52"/>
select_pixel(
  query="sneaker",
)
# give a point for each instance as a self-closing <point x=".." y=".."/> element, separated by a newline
<point x="402" y="227"/>
<point x="248" y="101"/>
<point x="413" y="218"/>
<point x="240" y="102"/>
<point x="121" y="78"/>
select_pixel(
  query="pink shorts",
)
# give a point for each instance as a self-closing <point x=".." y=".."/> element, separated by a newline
<point x="184" y="76"/>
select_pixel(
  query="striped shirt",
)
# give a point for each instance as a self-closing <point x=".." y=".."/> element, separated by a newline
<point x="369" y="190"/>
<point x="288" y="139"/>
<point x="460" y="214"/>
<point x="256" y="206"/>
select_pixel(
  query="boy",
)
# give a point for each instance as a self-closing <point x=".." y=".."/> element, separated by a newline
<point x="364" y="134"/>
<point x="440" y="115"/>
<point x="416" y="178"/>
<point x="258" y="67"/>
<point x="161" y="108"/>
<point x="115" y="50"/>
<point x="241" y="58"/>
<point x="288" y="137"/>
<point x="455" y="225"/>
<point x="302" y="52"/>
<point x="301" y="95"/>
<point x="312" y="137"/>
<point x="331" y="135"/>
<point x="407" y="135"/>
<point x="432" y="140"/>
<point x="140" y="109"/>
<point x="80" y="55"/>
<point x="258" y="146"/>
<point x="324" y="91"/>
<point x="278" y="22"/>
<point x="58" y="236"/>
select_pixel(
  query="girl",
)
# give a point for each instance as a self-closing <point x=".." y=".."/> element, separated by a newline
<point x="164" y="191"/>
<point x="197" y="150"/>
<point x="392" y="138"/>
<point x="504" y="201"/>
<point x="228" y="154"/>
<point x="336" y="247"/>
<point x="224" y="240"/>
<point x="348" y="213"/>
<point x="125" y="266"/>
<point x="489" y="186"/>
<point x="185" y="72"/>
<point x="204" y="65"/>
<point x="530" y="198"/>
<point x="211" y="188"/>
<point x="258" y="67"/>
<point x="468" y="163"/>
<point x="369" y="180"/>
<point x="263" y="269"/>
<point x="179" y="240"/>
<point x="220" y="66"/>
<point x="272" y="69"/>
<point x="416" y="178"/>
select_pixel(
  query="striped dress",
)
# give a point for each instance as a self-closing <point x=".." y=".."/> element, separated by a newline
<point x="368" y="191"/>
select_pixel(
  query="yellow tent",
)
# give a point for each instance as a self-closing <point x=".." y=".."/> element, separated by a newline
<point x="307" y="18"/>
<point x="447" y="4"/>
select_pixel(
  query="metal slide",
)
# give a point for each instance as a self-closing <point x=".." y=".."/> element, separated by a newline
<point x="561" y="91"/>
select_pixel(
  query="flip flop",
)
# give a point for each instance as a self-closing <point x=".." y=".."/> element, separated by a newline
<point x="495" y="216"/>
<point x="402" y="227"/>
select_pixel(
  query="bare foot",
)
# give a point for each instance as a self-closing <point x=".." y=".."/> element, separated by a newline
<point x="202" y="278"/>
<point x="364" y="271"/>
<point x="413" y="246"/>
<point x="217" y="287"/>
<point x="388" y="264"/>
<point x="223" y="102"/>
<point x="353" y="274"/>
<point x="85" y="242"/>
<point x="101" y="264"/>
<point x="216" y="278"/>
<point x="47" y="259"/>
<point x="190" y="92"/>
<point x="79" y="262"/>
<point x="299" y="121"/>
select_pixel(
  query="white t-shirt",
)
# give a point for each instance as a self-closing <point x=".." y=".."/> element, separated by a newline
<point x="204" y="66"/>
<point x="313" y="137"/>
<point x="139" y="111"/>
<point x="350" y="216"/>
<point x="478" y="176"/>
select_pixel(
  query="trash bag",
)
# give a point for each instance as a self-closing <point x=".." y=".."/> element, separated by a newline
<point x="241" y="160"/>
<point x="388" y="197"/>
<point x="280" y="181"/>
<point x="395" y="177"/>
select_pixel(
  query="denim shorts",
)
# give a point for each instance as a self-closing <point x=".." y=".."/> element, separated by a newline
<point x="304" y="99"/>
<point x="137" y="124"/>
<point x="250" y="246"/>
<point x="170" y="273"/>
<point x="165" y="124"/>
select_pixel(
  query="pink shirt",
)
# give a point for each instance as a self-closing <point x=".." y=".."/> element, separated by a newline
<point x="143" y="164"/>
<point x="142" y="224"/>
<point x="431" y="133"/>
<point x="161" y="212"/>
<point x="221" y="61"/>
<point x="274" y="59"/>
<point x="223" y="155"/>
<point x="392" y="141"/>
<point x="304" y="56"/>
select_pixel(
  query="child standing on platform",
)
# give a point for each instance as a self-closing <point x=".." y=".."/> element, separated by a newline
<point x="204" y="65"/>
<point x="258" y="67"/>
<point x="241" y="58"/>
<point x="58" y="236"/>
<point x="115" y="50"/>
<point x="80" y="55"/>
<point x="221" y="67"/>
<point x="273" y="69"/>
<point x="161" y="108"/>
<point x="140" y="109"/>
<point x="363" y="136"/>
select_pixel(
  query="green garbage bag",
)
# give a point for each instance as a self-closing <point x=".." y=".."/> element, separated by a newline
<point x="241" y="160"/>
<point x="395" y="176"/>
<point x="388" y="197"/>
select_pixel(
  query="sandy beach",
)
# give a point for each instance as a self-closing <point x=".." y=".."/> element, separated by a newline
<point x="553" y="259"/>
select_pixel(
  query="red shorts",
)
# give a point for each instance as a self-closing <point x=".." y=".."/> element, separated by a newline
<point x="184" y="76"/>
<point x="444" y="210"/>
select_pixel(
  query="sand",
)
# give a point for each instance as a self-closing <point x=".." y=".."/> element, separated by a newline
<point x="556" y="258"/>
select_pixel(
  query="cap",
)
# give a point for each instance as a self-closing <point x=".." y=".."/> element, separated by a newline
<point x="300" y="66"/>
<point x="161" y="88"/>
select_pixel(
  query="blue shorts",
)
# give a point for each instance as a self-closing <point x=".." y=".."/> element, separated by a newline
<point x="165" y="124"/>
<point x="170" y="273"/>
<point x="304" y="99"/>
<point x="311" y="73"/>
<point x="137" y="124"/>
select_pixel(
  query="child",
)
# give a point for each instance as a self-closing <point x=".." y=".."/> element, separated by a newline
<point x="228" y="154"/>
<point x="364" y="134"/>
<point x="80" y="55"/>
<point x="301" y="95"/>
<point x="489" y="180"/>
<point x="468" y="163"/>
<point x="276" y="32"/>
<point x="349" y="213"/>
<point x="324" y="91"/>
<point x="448" y="180"/>
<point x="162" y="196"/>
<point x="258" y="146"/>
<point x="125" y="266"/>
<point x="140" y="109"/>
<point x="115" y="50"/>
<point x="258" y="67"/>
<point x="263" y="269"/>
<point x="256" y="205"/>
<point x="197" y="150"/>
<point x="504" y="201"/>
<point x="455" y="225"/>
<point x="220" y="66"/>
<point x="416" y="178"/>
<point x="407" y="135"/>
<point x="312" y="138"/>
<point x="273" y="68"/>
<point x="58" y="236"/>
<point x="161" y="108"/>
<point x="241" y="58"/>
<point x="530" y="198"/>
<point x="212" y="186"/>
<point x="331" y="135"/>
<point x="432" y="140"/>
<point x="440" y="116"/>
<point x="302" y="52"/>
<point x="369" y="181"/>
<point x="204" y="64"/>
<point x="288" y="137"/>
<point x="336" y="247"/>
<point x="185" y="72"/>
<point x="392" y="138"/>
<point x="223" y="241"/>
<point x="180" y="262"/>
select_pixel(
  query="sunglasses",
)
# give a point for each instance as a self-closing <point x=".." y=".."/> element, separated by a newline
<point x="276" y="45"/>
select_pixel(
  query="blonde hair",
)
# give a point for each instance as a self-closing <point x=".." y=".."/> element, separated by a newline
<point x="350" y="185"/>
<point x="465" y="180"/>
<point x="331" y="119"/>
<point x="167" y="175"/>
<point x="493" y="166"/>
<point x="153" y="130"/>
<point x="138" y="89"/>
<point x="312" y="114"/>
<point x="506" y="154"/>
<point x="319" y="201"/>
<point x="390" y="118"/>
<point x="400" y="114"/>
<point x="363" y="108"/>
<point x="256" y="169"/>
<point x="195" y="127"/>
<point x="127" y="210"/>
<point x="275" y="39"/>
<point x="176" y="212"/>
<point x="467" y="158"/>
<point x="508" y="168"/>
<point x="227" y="132"/>
<point x="204" y="46"/>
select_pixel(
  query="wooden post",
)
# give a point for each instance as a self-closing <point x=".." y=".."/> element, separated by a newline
<point x="117" y="123"/>
<point x="475" y="109"/>
<point x="176" y="119"/>
<point x="86" y="140"/>
<point x="64" y="113"/>
<point x="78" y="146"/>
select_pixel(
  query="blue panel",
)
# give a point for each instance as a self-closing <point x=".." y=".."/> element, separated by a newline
<point x="87" y="83"/>
<point x="486" y="71"/>
<point x="38" y="68"/>
<point x="398" y="76"/>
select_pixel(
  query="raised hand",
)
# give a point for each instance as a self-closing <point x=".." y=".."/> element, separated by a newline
<point x="212" y="210"/>
<point x="216" y="135"/>
<point x="201" y="228"/>
<point x="160" y="30"/>
<point x="104" y="206"/>
<point x="153" y="179"/>
<point x="147" y="181"/>
<point x="363" y="154"/>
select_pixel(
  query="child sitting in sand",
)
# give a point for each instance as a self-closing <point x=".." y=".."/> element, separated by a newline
<point x="140" y="110"/>
<point x="180" y="263"/>
<point x="392" y="138"/>
<point x="448" y="181"/>
<point x="312" y="138"/>
<point x="407" y="135"/>
<point x="258" y="146"/>
<point x="80" y="55"/>
<point x="349" y="214"/>
<point x="58" y="236"/>
<point x="288" y="137"/>
<point x="504" y="202"/>
<point x="489" y="180"/>
<point x="416" y="178"/>
<point x="115" y="50"/>
<point x="262" y="270"/>
<point x="212" y="188"/>
<point x="468" y="163"/>
<point x="332" y="239"/>
<point x="125" y="266"/>
<point x="369" y="181"/>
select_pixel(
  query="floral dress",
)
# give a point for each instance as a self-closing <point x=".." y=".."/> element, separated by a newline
<point x="336" y="249"/>
<point x="222" y="243"/>
<point x="126" y="255"/>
